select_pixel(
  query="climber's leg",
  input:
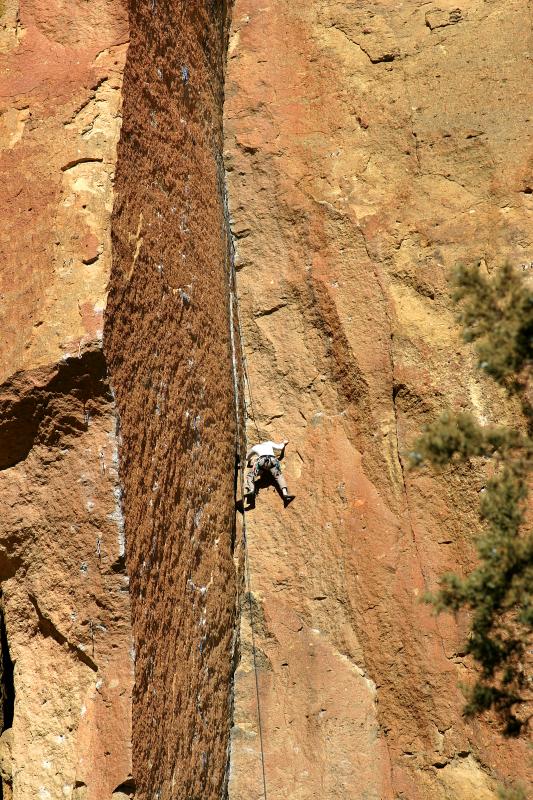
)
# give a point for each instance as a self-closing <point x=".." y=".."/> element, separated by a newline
<point x="249" y="483"/>
<point x="276" y="473"/>
<point x="280" y="480"/>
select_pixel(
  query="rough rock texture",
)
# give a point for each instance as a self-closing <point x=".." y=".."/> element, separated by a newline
<point x="64" y="588"/>
<point x="65" y="591"/>
<point x="168" y="344"/>
<point x="368" y="148"/>
<point x="61" y="66"/>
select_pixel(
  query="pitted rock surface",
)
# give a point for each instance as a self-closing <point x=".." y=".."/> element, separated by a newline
<point x="368" y="147"/>
<point x="167" y="340"/>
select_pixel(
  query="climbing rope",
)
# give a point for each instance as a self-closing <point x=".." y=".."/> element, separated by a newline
<point x="252" y="628"/>
<point x="235" y="325"/>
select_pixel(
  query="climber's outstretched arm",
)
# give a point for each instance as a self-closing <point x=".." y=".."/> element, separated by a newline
<point x="281" y="446"/>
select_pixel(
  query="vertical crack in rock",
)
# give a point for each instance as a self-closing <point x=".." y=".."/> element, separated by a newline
<point x="396" y="432"/>
<point x="7" y="686"/>
<point x="7" y="707"/>
<point x="238" y="369"/>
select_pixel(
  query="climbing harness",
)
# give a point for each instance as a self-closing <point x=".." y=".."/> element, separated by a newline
<point x="267" y="462"/>
<point x="235" y="326"/>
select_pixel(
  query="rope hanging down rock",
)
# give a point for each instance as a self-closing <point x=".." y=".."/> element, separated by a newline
<point x="235" y="326"/>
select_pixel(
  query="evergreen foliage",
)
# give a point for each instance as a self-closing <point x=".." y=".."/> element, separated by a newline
<point x="511" y="793"/>
<point x="497" y="315"/>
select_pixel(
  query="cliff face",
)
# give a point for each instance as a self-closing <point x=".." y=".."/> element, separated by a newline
<point x="66" y="665"/>
<point x="367" y="148"/>
<point x="168" y="346"/>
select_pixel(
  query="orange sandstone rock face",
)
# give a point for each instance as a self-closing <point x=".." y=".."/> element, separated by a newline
<point x="64" y="586"/>
<point x="69" y="521"/>
<point x="368" y="149"/>
<point x="60" y="113"/>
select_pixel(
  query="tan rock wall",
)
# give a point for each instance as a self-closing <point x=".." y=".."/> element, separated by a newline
<point x="368" y="148"/>
<point x="64" y="584"/>
<point x="65" y="591"/>
<point x="61" y="66"/>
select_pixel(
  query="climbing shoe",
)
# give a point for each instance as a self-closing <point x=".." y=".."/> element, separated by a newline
<point x="288" y="498"/>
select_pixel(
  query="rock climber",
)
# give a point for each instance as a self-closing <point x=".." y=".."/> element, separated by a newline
<point x="260" y="460"/>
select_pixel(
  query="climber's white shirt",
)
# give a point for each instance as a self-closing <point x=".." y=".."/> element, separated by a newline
<point x="266" y="448"/>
